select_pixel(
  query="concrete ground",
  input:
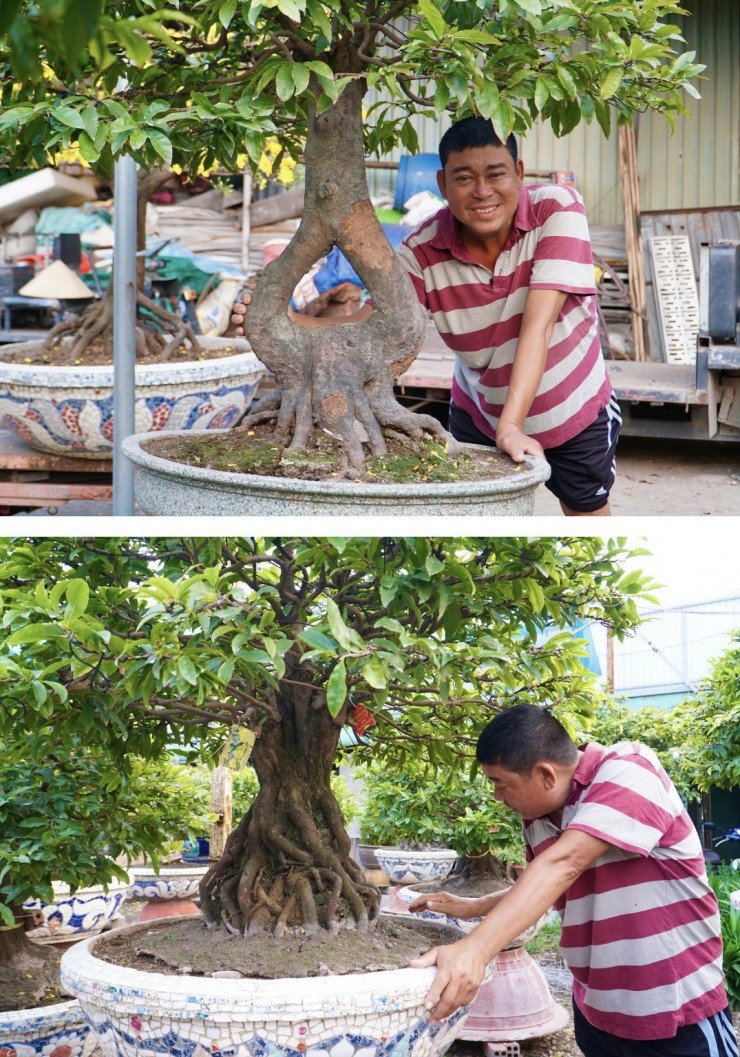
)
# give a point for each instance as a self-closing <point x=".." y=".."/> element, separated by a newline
<point x="670" y="478"/>
<point x="653" y="478"/>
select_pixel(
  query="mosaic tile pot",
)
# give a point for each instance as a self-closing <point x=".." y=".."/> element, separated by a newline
<point x="137" y="1014"/>
<point x="405" y="867"/>
<point x="69" y="410"/>
<point x="85" y="913"/>
<point x="164" y="488"/>
<point x="169" y="883"/>
<point x="46" y="1031"/>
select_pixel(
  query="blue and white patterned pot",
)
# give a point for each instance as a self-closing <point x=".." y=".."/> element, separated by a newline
<point x="406" y="867"/>
<point x="69" y="410"/>
<point x="46" y="1031"/>
<point x="167" y="884"/>
<point x="72" y="916"/>
<point x="143" y="1014"/>
<point x="408" y="894"/>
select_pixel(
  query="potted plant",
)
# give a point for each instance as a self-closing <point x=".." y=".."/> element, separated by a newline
<point x="67" y="811"/>
<point x="287" y="640"/>
<point x="300" y="71"/>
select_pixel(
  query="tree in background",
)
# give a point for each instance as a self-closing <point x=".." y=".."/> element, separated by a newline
<point x="164" y="85"/>
<point x="133" y="645"/>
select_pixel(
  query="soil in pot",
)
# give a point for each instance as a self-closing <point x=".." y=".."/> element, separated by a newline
<point x="253" y="450"/>
<point x="100" y="353"/>
<point x="190" y="947"/>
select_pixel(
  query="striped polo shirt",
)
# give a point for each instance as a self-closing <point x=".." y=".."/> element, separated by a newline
<point x="478" y="313"/>
<point x="641" y="931"/>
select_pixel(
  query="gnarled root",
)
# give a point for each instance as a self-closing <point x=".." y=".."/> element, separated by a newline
<point x="97" y="322"/>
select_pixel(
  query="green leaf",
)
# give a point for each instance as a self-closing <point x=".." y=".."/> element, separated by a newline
<point x="431" y="13"/>
<point x="346" y="638"/>
<point x="161" y="143"/>
<point x="36" y="633"/>
<point x="317" y="640"/>
<point x="284" y="83"/>
<point x="90" y="120"/>
<point x="336" y="689"/>
<point x="611" y="82"/>
<point x="301" y="77"/>
<point x="603" y="116"/>
<point x="187" y="670"/>
<point x="374" y="673"/>
<point x="68" y="116"/>
<point x="7" y="915"/>
<point x="434" y="565"/>
<point x="78" y="595"/>
<point x="226" y="12"/>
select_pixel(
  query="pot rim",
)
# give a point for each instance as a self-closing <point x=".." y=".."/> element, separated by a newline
<point x="537" y="472"/>
<point x="245" y="995"/>
<point x="98" y="376"/>
<point x="146" y="873"/>
<point x="415" y="853"/>
<point x="16" y="1018"/>
<point x="63" y="890"/>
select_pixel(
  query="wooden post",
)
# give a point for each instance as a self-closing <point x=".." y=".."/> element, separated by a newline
<point x="610" y="661"/>
<point x="633" y="238"/>
<point x="222" y="784"/>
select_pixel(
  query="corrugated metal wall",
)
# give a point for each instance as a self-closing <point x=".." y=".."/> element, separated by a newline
<point x="698" y="166"/>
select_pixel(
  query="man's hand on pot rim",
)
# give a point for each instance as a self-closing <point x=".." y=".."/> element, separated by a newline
<point x="460" y="970"/>
<point x="516" y="444"/>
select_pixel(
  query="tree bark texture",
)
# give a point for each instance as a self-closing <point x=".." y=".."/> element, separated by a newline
<point x="23" y="965"/>
<point x="286" y="867"/>
<point x="96" y="322"/>
<point x="339" y="377"/>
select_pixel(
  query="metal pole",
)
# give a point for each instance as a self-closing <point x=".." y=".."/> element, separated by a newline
<point x="124" y="331"/>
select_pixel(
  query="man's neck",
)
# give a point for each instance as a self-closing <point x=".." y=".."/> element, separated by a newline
<point x="556" y="817"/>
<point x="486" y="249"/>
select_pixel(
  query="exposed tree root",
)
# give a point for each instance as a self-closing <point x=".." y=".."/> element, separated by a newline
<point x="96" y="322"/>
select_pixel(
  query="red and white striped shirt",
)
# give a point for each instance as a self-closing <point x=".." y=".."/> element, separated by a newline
<point x="641" y="931"/>
<point x="478" y="313"/>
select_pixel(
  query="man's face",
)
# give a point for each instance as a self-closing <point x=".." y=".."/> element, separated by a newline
<point x="530" y="796"/>
<point x="482" y="185"/>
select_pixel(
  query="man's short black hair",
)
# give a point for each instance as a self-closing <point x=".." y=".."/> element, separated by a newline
<point x="473" y="132"/>
<point x="522" y="737"/>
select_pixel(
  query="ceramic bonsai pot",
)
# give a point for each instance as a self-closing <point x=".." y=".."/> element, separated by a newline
<point x="69" y="410"/>
<point x="406" y="867"/>
<point x="46" y="1031"/>
<point x="169" y="883"/>
<point x="74" y="916"/>
<point x="164" y="487"/>
<point x="406" y="895"/>
<point x="142" y="1014"/>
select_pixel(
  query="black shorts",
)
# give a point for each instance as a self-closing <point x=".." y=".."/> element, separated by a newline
<point x="583" y="468"/>
<point x="713" y="1037"/>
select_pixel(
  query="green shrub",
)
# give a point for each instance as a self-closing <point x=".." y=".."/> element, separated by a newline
<point x="450" y="810"/>
<point x="724" y="881"/>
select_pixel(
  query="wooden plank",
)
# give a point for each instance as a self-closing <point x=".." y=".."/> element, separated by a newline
<point x="42" y="493"/>
<point x="635" y="267"/>
<point x="15" y="454"/>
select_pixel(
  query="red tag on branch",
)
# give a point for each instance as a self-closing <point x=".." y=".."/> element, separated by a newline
<point x="361" y="719"/>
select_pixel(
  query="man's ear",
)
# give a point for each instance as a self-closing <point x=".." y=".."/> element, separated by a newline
<point x="547" y="775"/>
<point x="519" y="166"/>
<point x="441" y="183"/>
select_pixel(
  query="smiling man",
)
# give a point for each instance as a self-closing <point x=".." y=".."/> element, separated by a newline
<point x="610" y="845"/>
<point x="507" y="273"/>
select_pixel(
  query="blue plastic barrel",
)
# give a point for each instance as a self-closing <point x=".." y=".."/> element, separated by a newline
<point x="416" y="172"/>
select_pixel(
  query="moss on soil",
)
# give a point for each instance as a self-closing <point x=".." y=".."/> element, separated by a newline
<point x="253" y="451"/>
<point x="173" y="948"/>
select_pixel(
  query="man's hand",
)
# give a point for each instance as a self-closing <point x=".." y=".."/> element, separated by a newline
<point x="446" y="903"/>
<point x="516" y="444"/>
<point x="460" y="970"/>
<point x="239" y="314"/>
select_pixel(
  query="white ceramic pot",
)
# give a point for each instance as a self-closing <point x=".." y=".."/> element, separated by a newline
<point x="406" y="867"/>
<point x="69" y="410"/>
<point x="169" y="883"/>
<point x="74" y="915"/>
<point x="143" y="1014"/>
<point x="46" y="1031"/>
<point x="408" y="894"/>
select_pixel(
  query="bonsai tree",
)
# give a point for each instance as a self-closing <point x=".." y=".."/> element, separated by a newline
<point x="287" y="640"/>
<point x="162" y="86"/>
<point x="68" y="811"/>
<point x="423" y="807"/>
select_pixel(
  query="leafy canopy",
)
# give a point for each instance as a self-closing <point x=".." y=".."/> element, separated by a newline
<point x="204" y="82"/>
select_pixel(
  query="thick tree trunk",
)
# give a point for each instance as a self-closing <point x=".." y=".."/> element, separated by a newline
<point x="96" y="322"/>
<point x="286" y="866"/>
<point x="23" y="966"/>
<point x="339" y="377"/>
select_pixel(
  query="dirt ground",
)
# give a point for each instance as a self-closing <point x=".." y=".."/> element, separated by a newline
<point x="669" y="477"/>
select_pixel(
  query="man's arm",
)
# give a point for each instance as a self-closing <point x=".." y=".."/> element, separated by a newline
<point x="461" y="965"/>
<point x="541" y="311"/>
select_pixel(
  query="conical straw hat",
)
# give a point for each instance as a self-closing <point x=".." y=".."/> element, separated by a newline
<point x="57" y="281"/>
